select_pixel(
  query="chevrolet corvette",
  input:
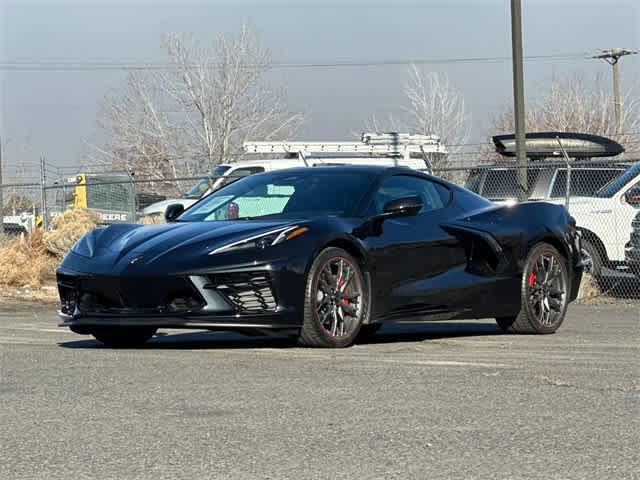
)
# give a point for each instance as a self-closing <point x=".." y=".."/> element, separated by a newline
<point x="325" y="254"/>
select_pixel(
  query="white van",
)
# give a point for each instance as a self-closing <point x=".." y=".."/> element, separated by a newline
<point x="413" y="151"/>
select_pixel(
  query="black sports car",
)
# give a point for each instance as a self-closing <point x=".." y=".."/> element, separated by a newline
<point x="325" y="253"/>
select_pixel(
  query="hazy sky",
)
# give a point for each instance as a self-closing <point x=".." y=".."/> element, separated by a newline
<point x="51" y="112"/>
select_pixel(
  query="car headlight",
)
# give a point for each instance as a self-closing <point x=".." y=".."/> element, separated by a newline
<point x="263" y="240"/>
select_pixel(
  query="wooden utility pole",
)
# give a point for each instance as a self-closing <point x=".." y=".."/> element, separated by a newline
<point x="518" y="97"/>
<point x="612" y="57"/>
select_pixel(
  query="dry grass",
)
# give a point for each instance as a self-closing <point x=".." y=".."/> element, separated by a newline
<point x="589" y="287"/>
<point x="29" y="261"/>
<point x="67" y="230"/>
<point x="24" y="260"/>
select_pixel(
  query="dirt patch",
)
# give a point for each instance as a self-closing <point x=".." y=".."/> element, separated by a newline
<point x="26" y="295"/>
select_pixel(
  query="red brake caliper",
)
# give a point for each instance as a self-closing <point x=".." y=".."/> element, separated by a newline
<point x="344" y="300"/>
<point x="532" y="279"/>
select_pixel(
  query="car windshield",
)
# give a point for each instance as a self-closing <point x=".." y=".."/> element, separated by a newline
<point x="281" y="195"/>
<point x="614" y="186"/>
<point x="204" y="184"/>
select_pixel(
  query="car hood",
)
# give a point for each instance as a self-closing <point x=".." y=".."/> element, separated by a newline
<point x="119" y="245"/>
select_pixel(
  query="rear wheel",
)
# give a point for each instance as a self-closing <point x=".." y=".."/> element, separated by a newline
<point x="336" y="300"/>
<point x="124" y="336"/>
<point x="544" y="293"/>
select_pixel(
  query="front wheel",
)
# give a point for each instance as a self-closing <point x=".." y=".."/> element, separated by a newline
<point x="545" y="283"/>
<point x="123" y="337"/>
<point x="336" y="300"/>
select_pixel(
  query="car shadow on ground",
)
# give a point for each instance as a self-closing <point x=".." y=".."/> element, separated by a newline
<point x="391" y="333"/>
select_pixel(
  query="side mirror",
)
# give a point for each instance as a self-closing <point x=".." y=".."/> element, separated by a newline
<point x="632" y="197"/>
<point x="173" y="211"/>
<point x="401" y="207"/>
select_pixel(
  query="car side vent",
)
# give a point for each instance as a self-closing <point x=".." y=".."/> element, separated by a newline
<point x="248" y="292"/>
<point x="485" y="256"/>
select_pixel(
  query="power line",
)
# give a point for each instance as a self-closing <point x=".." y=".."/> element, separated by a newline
<point x="91" y="65"/>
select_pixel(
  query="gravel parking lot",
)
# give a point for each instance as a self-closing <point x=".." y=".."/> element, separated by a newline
<point x="444" y="400"/>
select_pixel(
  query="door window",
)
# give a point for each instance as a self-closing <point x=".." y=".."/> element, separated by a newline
<point x="433" y="195"/>
<point x="503" y="183"/>
<point x="584" y="182"/>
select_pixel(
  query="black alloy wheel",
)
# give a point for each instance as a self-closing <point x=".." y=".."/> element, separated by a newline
<point x="544" y="291"/>
<point x="336" y="300"/>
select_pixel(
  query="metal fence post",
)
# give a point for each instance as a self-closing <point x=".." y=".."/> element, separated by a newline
<point x="43" y="194"/>
<point x="132" y="199"/>
<point x="567" y="192"/>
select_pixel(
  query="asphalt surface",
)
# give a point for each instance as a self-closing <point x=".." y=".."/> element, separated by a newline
<point x="445" y="400"/>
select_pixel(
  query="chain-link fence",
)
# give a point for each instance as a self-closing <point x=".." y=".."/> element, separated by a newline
<point x="603" y="197"/>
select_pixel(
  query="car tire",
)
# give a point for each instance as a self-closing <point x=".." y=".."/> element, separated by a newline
<point x="595" y="256"/>
<point x="544" y="294"/>
<point x="124" y="337"/>
<point x="336" y="300"/>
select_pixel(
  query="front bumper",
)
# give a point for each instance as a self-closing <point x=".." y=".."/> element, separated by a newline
<point x="266" y="296"/>
<point x="84" y="322"/>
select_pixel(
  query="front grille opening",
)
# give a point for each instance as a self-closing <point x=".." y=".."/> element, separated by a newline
<point x="184" y="302"/>
<point x="248" y="292"/>
<point x="93" y="302"/>
<point x="67" y="292"/>
<point x="107" y="294"/>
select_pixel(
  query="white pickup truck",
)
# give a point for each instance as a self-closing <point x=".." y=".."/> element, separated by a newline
<point x="599" y="201"/>
<point x="409" y="150"/>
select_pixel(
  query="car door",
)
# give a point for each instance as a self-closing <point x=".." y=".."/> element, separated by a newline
<point x="409" y="255"/>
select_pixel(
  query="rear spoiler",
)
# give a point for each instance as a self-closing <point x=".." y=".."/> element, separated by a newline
<point x="545" y="144"/>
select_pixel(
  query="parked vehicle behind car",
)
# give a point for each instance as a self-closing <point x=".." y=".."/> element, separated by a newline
<point x="389" y="149"/>
<point x="598" y="193"/>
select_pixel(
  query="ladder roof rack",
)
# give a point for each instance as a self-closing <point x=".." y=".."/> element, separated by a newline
<point x="389" y="144"/>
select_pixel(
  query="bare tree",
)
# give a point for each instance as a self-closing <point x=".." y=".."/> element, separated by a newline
<point x="574" y="104"/>
<point x="142" y="134"/>
<point x="435" y="106"/>
<point x="197" y="112"/>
